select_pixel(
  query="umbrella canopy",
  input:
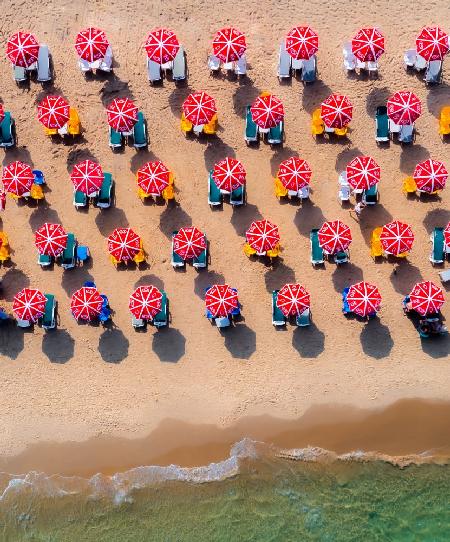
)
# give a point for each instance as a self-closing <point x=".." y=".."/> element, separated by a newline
<point x="404" y="107"/>
<point x="262" y="236"/>
<point x="22" y="49"/>
<point x="229" y="174"/>
<point x="293" y="299"/>
<point x="336" y="111"/>
<point x="432" y="43"/>
<point x="363" y="172"/>
<point x="87" y="177"/>
<point x="153" y="177"/>
<point x="122" y="114"/>
<point x="302" y="42"/>
<point x="53" y="112"/>
<point x="426" y="298"/>
<point x="229" y="44"/>
<point x="145" y="302"/>
<point x="51" y="239"/>
<point x="124" y="244"/>
<point x="267" y="111"/>
<point x="199" y="108"/>
<point x="334" y="236"/>
<point x="2" y="113"/>
<point x="363" y="298"/>
<point x="447" y="235"/>
<point x="430" y="175"/>
<point x="294" y="173"/>
<point x="91" y="44"/>
<point x="396" y="238"/>
<point x="368" y="44"/>
<point x="189" y="243"/>
<point x="17" y="178"/>
<point x="221" y="299"/>
<point x="29" y="304"/>
<point x="86" y="303"/>
<point x="161" y="45"/>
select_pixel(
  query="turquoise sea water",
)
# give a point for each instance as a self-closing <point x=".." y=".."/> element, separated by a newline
<point x="253" y="499"/>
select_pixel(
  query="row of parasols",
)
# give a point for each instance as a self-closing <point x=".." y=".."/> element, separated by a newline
<point x="221" y="300"/>
<point x="229" y="174"/>
<point x="228" y="45"/>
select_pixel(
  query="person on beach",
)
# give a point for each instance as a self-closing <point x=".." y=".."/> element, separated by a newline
<point x="358" y="209"/>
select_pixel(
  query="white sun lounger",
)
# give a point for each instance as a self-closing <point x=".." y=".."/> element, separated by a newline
<point x="213" y="63"/>
<point x="406" y="133"/>
<point x="179" y="66"/>
<point x="372" y="67"/>
<point x="153" y="71"/>
<point x="344" y="192"/>
<point x="445" y="275"/>
<point x="394" y="128"/>
<point x="420" y="63"/>
<point x="409" y="58"/>
<point x="84" y="65"/>
<point x="284" y="63"/>
<point x="240" y="67"/>
<point x="23" y="323"/>
<point x="43" y="64"/>
<point x="106" y="64"/>
<point x="296" y="64"/>
<point x="349" y="57"/>
<point x="228" y="66"/>
<point x="303" y="193"/>
<point x="222" y="322"/>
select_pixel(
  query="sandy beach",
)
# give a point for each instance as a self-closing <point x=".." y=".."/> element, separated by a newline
<point x="82" y="382"/>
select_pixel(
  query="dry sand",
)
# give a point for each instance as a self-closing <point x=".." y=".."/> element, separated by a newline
<point x="83" y="381"/>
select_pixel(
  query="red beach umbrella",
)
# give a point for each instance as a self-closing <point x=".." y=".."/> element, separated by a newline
<point x="153" y="177"/>
<point x="29" y="304"/>
<point x="86" y="303"/>
<point x="430" y="175"/>
<point x="145" y="302"/>
<point x="51" y="239"/>
<point x="229" y="174"/>
<point x="17" y="178"/>
<point x="404" y="107"/>
<point x="363" y="172"/>
<point x="293" y="299"/>
<point x="426" y="298"/>
<point x="302" y="42"/>
<point x="87" y="177"/>
<point x="267" y="111"/>
<point x="53" y="112"/>
<point x="229" y="44"/>
<point x="368" y="44"/>
<point x="199" y="108"/>
<point x="122" y="114"/>
<point x="189" y="243"/>
<point x="262" y="236"/>
<point x="432" y="43"/>
<point x="22" y="49"/>
<point x="2" y="113"/>
<point x="161" y="45"/>
<point x="364" y="298"/>
<point x="294" y="173"/>
<point x="221" y="299"/>
<point x="124" y="244"/>
<point x="336" y="111"/>
<point x="334" y="236"/>
<point x="447" y="235"/>
<point x="396" y="238"/>
<point x="91" y="44"/>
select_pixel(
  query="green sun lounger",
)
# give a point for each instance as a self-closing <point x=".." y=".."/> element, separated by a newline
<point x="382" y="124"/>
<point x="162" y="318"/>
<point x="237" y="197"/>
<point x="341" y="257"/>
<point x="278" y="318"/>
<point x="214" y="194"/>
<point x="49" y="318"/>
<point x="251" y="129"/>
<point x="79" y="199"/>
<point x="68" y="258"/>
<point x="6" y="135"/>
<point x="437" y="255"/>
<point x="104" y="197"/>
<point x="140" y="132"/>
<point x="370" y="196"/>
<point x="275" y="135"/>
<point x="44" y="260"/>
<point x="316" y="249"/>
<point x="304" y="319"/>
<point x="115" y="139"/>
<point x="177" y="261"/>
<point x="201" y="260"/>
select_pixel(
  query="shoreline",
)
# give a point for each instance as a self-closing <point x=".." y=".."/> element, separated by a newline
<point x="409" y="430"/>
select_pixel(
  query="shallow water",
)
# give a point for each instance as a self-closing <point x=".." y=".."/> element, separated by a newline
<point x="246" y="498"/>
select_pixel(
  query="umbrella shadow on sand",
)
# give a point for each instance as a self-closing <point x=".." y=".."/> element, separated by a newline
<point x="172" y="219"/>
<point x="307" y="217"/>
<point x="113" y="345"/>
<point x="404" y="276"/>
<point x="58" y="346"/>
<point x="308" y="341"/>
<point x="110" y="219"/>
<point x="115" y="88"/>
<point x="240" y="341"/>
<point x="411" y="156"/>
<point x="438" y="98"/>
<point x="376" y="340"/>
<point x="13" y="281"/>
<point x="437" y="218"/>
<point x="280" y="154"/>
<point x="215" y="151"/>
<point x="345" y="275"/>
<point x="344" y="157"/>
<point x="75" y="278"/>
<point x="314" y="95"/>
<point x="372" y="218"/>
<point x="21" y="154"/>
<point x="43" y="213"/>
<point x="12" y="340"/>
<point x="141" y="158"/>
<point x="150" y="280"/>
<point x="436" y="347"/>
<point x="243" y="96"/>
<point x="243" y="217"/>
<point x="169" y="344"/>
<point x="279" y="275"/>
<point x="75" y="156"/>
<point x="206" y="279"/>
<point x="176" y="99"/>
<point x="375" y="98"/>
